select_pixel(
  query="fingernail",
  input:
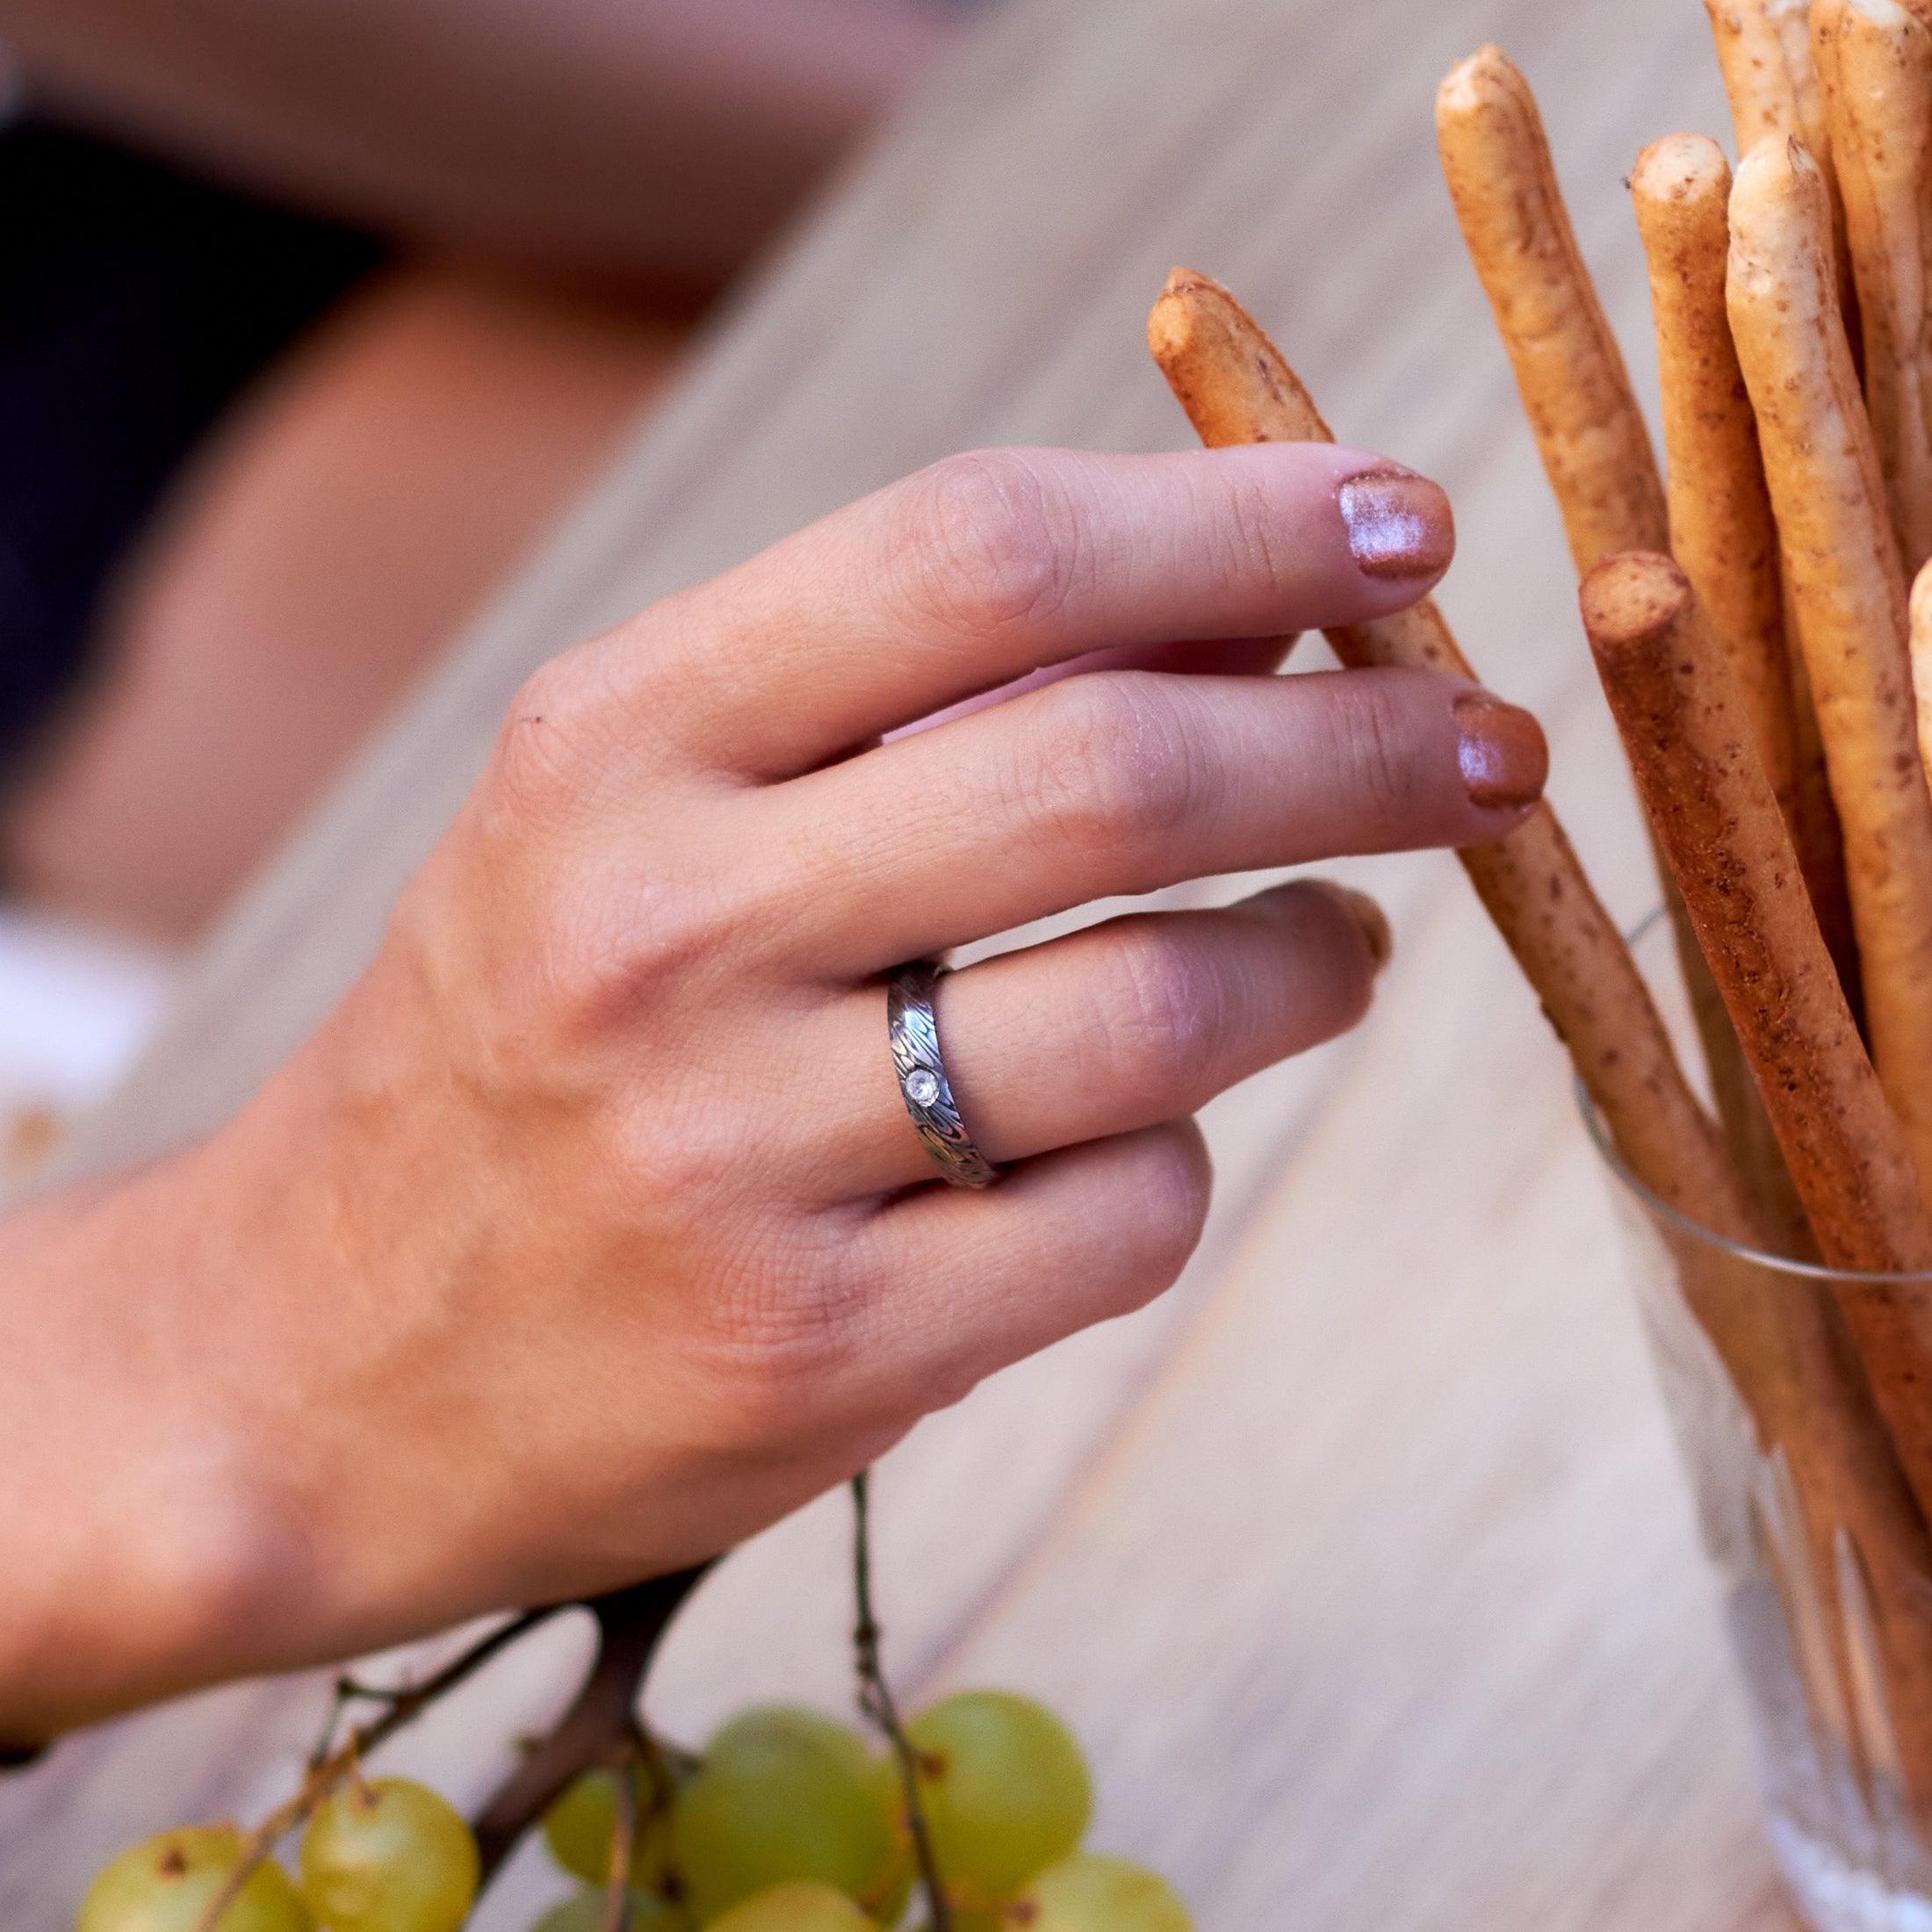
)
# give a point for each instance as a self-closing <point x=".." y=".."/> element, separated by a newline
<point x="1370" y="919"/>
<point x="1500" y="752"/>
<point x="1399" y="523"/>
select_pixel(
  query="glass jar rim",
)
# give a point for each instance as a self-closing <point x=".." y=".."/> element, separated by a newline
<point x="1673" y="1218"/>
<point x="1676" y="1218"/>
<point x="1636" y="937"/>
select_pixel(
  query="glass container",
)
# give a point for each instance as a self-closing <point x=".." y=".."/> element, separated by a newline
<point x="1824" y="1560"/>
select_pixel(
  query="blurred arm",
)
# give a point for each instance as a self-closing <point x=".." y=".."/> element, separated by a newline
<point x="662" y="137"/>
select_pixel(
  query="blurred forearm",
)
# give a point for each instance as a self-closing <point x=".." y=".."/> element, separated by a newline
<point x="656" y="138"/>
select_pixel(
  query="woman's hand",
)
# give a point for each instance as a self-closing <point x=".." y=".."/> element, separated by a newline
<point x="590" y="1234"/>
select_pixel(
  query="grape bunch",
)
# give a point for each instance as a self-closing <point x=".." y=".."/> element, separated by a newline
<point x="787" y="1822"/>
<point x="790" y="1823"/>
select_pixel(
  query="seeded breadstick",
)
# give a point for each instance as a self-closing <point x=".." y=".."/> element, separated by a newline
<point x="1880" y="104"/>
<point x="1684" y="727"/>
<point x="1848" y="597"/>
<point x="1721" y="526"/>
<point x="1236" y="387"/>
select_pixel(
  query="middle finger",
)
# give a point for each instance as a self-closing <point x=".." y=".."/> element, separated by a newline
<point x="1124" y="782"/>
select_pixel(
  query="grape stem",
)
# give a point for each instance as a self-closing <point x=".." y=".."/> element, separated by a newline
<point x="599" y="1729"/>
<point x="876" y="1700"/>
<point x="328" y="1769"/>
<point x="623" y="1832"/>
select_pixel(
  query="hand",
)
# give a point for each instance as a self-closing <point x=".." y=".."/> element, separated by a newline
<point x="590" y="1235"/>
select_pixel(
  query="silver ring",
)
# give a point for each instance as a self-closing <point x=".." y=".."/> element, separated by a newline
<point x="927" y="1093"/>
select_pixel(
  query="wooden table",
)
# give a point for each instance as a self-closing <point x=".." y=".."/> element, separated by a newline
<point x="1361" y="1564"/>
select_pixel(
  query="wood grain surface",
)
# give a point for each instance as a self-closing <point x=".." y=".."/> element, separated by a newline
<point x="1361" y="1563"/>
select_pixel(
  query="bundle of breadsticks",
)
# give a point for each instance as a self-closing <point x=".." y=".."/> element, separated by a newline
<point x="1749" y="617"/>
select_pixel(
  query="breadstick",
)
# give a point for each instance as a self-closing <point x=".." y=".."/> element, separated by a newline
<point x="1236" y="387"/>
<point x="1921" y="619"/>
<point x="1721" y="526"/>
<point x="1781" y="1351"/>
<point x="1775" y="86"/>
<point x="1815" y="830"/>
<point x="1757" y="84"/>
<point x="1683" y="725"/>
<point x="1677" y="708"/>
<point x="1717" y="819"/>
<point x="1795" y="23"/>
<point x="1880" y="104"/>
<point x="1849" y="596"/>
<point x="1588" y="430"/>
<point x="1721" y="529"/>
<point x="1778" y="85"/>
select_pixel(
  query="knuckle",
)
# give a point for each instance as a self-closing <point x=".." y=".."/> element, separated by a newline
<point x="609" y="947"/>
<point x="1370" y="727"/>
<point x="1106" y="764"/>
<point x="592" y="722"/>
<point x="784" y="1318"/>
<point x="996" y="541"/>
<point x="553" y="738"/>
<point x="1160" y="1010"/>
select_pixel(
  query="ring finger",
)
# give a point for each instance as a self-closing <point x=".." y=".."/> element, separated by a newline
<point x="1126" y="1024"/>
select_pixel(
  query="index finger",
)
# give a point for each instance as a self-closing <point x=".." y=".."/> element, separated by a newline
<point x="985" y="567"/>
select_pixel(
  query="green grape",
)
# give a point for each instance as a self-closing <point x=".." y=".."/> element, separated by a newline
<point x="886" y="1902"/>
<point x="1092" y="1892"/>
<point x="1004" y="1789"/>
<point x="578" y="1827"/>
<point x="786" y="1794"/>
<point x="165" y="1884"/>
<point x="590" y="1911"/>
<point x="799" y="1906"/>
<point x="390" y="1856"/>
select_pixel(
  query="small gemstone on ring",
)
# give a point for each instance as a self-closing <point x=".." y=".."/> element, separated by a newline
<point x="922" y="1088"/>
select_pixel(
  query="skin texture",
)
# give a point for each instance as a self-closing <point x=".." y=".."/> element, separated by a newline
<point x="590" y="1235"/>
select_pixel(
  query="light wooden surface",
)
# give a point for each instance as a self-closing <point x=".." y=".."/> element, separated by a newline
<point x="1361" y="1564"/>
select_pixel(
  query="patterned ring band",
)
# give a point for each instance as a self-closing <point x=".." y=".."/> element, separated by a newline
<point x="922" y="1077"/>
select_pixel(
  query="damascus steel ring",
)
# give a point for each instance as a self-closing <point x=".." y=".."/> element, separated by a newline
<point x="922" y="1077"/>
